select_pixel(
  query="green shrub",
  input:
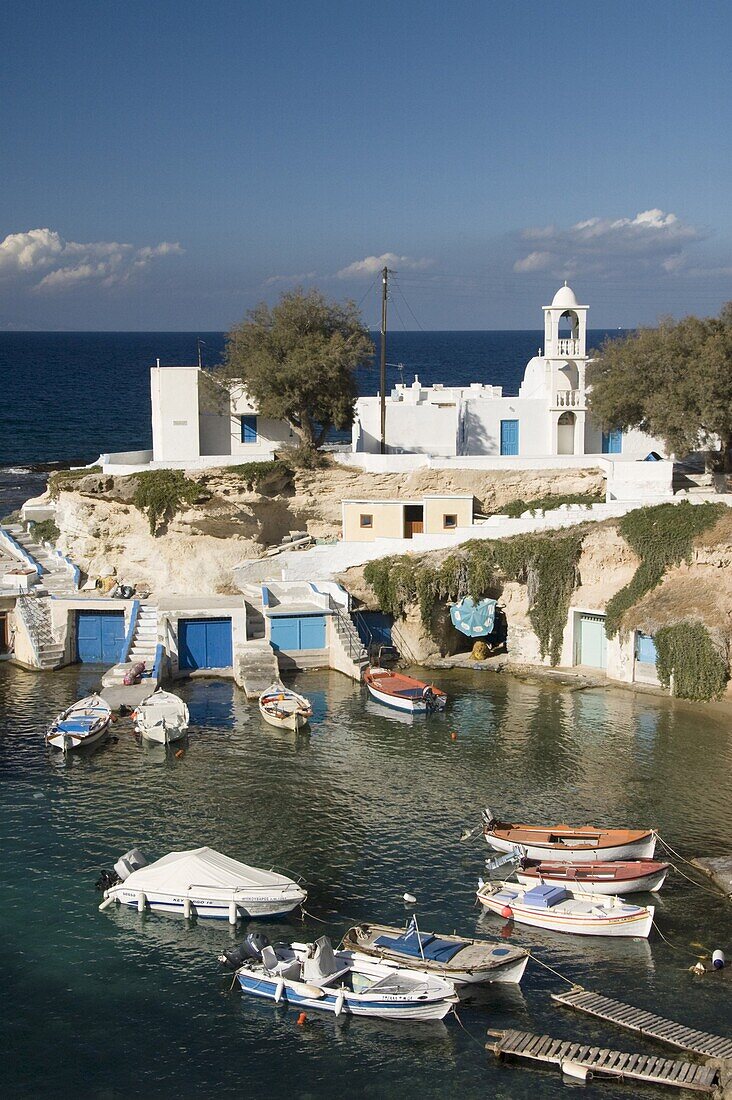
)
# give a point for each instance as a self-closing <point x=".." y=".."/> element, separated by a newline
<point x="160" y="494"/>
<point x="65" y="479"/>
<point x="662" y="536"/>
<point x="45" y="531"/>
<point x="255" y="472"/>
<point x="687" y="652"/>
<point x="516" y="508"/>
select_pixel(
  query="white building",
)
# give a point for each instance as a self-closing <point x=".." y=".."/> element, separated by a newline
<point x="547" y="417"/>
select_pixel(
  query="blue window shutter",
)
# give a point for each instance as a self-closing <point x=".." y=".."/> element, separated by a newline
<point x="249" y="429"/>
<point x="612" y="443"/>
<point x="509" y="437"/>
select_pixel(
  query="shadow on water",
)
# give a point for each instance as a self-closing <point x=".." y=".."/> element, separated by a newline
<point x="366" y="807"/>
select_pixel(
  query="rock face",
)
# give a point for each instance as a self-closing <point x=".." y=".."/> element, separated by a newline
<point x="235" y="519"/>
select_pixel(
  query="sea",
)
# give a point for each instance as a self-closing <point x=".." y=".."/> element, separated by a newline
<point x="367" y="807"/>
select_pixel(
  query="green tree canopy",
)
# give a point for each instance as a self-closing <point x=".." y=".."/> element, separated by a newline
<point x="674" y="382"/>
<point x="297" y="360"/>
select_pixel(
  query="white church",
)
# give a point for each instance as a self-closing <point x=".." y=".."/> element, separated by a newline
<point x="548" y="417"/>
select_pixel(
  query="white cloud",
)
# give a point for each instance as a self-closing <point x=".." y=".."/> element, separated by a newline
<point x="42" y="259"/>
<point x="278" y="280"/>
<point x="371" y="265"/>
<point x="652" y="237"/>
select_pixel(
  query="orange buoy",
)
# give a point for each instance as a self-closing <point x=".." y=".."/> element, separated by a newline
<point x="507" y="911"/>
<point x="301" y="1019"/>
<point x="453" y="736"/>
<point x="179" y="753"/>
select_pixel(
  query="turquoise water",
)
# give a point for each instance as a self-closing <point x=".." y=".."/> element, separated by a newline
<point x="370" y="805"/>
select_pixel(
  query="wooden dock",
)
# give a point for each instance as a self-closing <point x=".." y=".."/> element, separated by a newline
<point x="604" y="1063"/>
<point x="655" y="1027"/>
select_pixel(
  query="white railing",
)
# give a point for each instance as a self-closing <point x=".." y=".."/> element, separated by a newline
<point x="568" y="347"/>
<point x="568" y="399"/>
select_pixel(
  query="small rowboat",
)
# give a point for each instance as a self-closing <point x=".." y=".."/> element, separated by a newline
<point x="560" y="909"/>
<point x="313" y="975"/>
<point x="403" y="692"/>
<point x="162" y="717"/>
<point x="463" y="961"/>
<point x="85" y="723"/>
<point x="628" y="877"/>
<point x="568" y="843"/>
<point x="283" y="708"/>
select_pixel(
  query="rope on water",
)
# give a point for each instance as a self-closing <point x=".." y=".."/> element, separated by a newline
<point x="712" y="893"/>
<point x="462" y="1025"/>
<point x="553" y="971"/>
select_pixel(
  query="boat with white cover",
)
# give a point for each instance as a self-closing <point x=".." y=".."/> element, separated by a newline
<point x="568" y="843"/>
<point x="161" y="717"/>
<point x="284" y="708"/>
<point x="394" y="689"/>
<point x="559" y="910"/>
<point x="622" y="877"/>
<point x="202" y="883"/>
<point x="313" y="975"/>
<point x="83" y="724"/>
<point x="463" y="961"/>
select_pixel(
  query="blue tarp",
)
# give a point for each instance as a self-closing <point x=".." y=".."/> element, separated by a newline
<point x="434" y="949"/>
<point x="474" y="619"/>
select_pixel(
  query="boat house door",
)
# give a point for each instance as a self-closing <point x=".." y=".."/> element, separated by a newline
<point x="590" y="641"/>
<point x="413" y="520"/>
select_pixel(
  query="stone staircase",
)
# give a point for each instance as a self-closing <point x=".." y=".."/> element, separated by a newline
<point x="143" y="646"/>
<point x="57" y="578"/>
<point x="354" y="659"/>
<point x="36" y="617"/>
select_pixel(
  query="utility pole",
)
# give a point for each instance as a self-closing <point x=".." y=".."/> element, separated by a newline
<point x="382" y="384"/>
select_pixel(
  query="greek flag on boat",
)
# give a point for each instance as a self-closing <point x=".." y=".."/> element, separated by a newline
<point x="474" y="619"/>
<point x="412" y="929"/>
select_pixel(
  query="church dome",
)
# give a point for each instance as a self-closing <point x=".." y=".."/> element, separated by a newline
<point x="565" y="298"/>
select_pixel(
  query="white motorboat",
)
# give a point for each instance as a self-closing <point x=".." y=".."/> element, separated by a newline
<point x="568" y="843"/>
<point x="558" y="909"/>
<point x="622" y="877"/>
<point x="83" y="724"/>
<point x="463" y="961"/>
<point x="313" y="975"/>
<point x="200" y="883"/>
<point x="284" y="708"/>
<point x="161" y="717"/>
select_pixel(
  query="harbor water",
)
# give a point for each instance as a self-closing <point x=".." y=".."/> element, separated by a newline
<point x="370" y="805"/>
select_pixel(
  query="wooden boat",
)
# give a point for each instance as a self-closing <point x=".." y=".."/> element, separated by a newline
<point x="162" y="717"/>
<point x="625" y="877"/>
<point x="568" y="843"/>
<point x="463" y="961"/>
<point x="560" y="909"/>
<point x="393" y="689"/>
<point x="284" y="708"/>
<point x="83" y="724"/>
<point x="200" y="883"/>
<point x="315" y="976"/>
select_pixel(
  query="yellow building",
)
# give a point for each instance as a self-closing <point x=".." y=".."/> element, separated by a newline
<point x="366" y="520"/>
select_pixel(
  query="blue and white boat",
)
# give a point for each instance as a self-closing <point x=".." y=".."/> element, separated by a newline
<point x="313" y="975"/>
<point x="85" y="723"/>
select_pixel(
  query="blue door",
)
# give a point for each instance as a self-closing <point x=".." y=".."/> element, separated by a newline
<point x="509" y="437"/>
<point x="295" y="632"/>
<point x="204" y="643"/>
<point x="99" y="636"/>
<point x="249" y="429"/>
<point x="612" y="443"/>
<point x="645" y="649"/>
<point x="374" y="627"/>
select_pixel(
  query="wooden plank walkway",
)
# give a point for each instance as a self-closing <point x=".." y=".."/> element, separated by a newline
<point x="603" y="1063"/>
<point x="647" y="1023"/>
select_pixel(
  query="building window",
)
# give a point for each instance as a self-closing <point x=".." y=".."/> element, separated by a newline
<point x="645" y="649"/>
<point x="366" y="521"/>
<point x="249" y="429"/>
<point x="449" y="521"/>
<point x="509" y="437"/>
<point x="612" y="443"/>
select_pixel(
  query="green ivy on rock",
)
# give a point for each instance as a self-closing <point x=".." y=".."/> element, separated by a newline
<point x="687" y="652"/>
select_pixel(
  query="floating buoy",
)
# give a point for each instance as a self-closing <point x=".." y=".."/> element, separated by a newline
<point x="507" y="911"/>
<point x="340" y="1001"/>
<point x="105" y="904"/>
<point x="718" y="960"/>
<point x="409" y="898"/>
<point x="187" y="908"/>
<point x="179" y="753"/>
<point x="233" y="914"/>
<point x="453" y="736"/>
<point x="301" y="1019"/>
<point x="141" y="902"/>
<point x="279" y="990"/>
<point x="576" y="1071"/>
<point x="698" y="968"/>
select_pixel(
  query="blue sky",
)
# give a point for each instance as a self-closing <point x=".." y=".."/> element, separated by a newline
<point x="166" y="165"/>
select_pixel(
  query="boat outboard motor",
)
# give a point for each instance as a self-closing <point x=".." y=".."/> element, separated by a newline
<point x="106" y="880"/>
<point x="488" y="819"/>
<point x="430" y="700"/>
<point x="129" y="862"/>
<point x="251" y="948"/>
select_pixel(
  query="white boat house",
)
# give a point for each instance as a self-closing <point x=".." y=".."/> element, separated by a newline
<point x="547" y="417"/>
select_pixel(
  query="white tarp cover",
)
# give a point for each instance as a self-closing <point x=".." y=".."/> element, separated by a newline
<point x="174" y="873"/>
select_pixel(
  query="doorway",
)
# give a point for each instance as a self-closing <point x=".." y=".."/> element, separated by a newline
<point x="413" y="520"/>
<point x="565" y="434"/>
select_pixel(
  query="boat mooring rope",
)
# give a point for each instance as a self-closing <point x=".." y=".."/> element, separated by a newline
<point x="546" y="966"/>
<point x="462" y="1025"/>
